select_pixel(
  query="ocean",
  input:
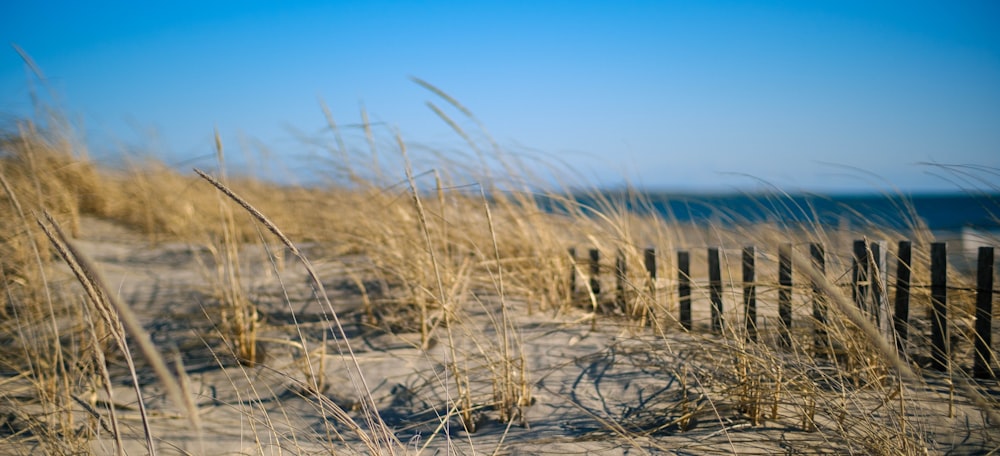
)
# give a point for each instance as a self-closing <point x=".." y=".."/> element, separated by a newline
<point x="938" y="212"/>
<point x="965" y="221"/>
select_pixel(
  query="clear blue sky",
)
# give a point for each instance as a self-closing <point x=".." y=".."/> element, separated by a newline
<point x="666" y="94"/>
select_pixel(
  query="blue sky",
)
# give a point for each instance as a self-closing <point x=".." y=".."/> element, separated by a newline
<point x="666" y="95"/>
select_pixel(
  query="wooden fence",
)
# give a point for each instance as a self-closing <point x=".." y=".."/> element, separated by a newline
<point x="869" y="291"/>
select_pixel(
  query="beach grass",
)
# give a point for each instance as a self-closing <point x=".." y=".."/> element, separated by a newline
<point x="430" y="308"/>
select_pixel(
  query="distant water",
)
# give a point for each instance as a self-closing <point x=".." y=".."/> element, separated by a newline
<point x="945" y="212"/>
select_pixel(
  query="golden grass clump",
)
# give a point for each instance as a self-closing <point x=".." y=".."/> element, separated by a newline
<point x="42" y="325"/>
<point x="396" y="311"/>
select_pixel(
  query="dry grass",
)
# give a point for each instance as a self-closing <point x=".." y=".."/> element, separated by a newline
<point x="429" y="313"/>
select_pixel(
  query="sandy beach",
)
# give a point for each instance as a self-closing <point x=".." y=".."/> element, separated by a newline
<point x="593" y="386"/>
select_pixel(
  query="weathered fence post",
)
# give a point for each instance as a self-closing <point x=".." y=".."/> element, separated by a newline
<point x="684" y="288"/>
<point x="819" y="303"/>
<point x="859" y="274"/>
<point x="785" y="294"/>
<point x="572" y="272"/>
<point x="984" y="314"/>
<point x="939" y="306"/>
<point x="620" y="272"/>
<point x="879" y="276"/>
<point x="649" y="260"/>
<point x="595" y="272"/>
<point x="901" y="315"/>
<point x="749" y="293"/>
<point x="715" y="288"/>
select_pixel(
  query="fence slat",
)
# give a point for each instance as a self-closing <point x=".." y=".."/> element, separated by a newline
<point x="859" y="275"/>
<point x="620" y="274"/>
<point x="572" y="272"/>
<point x="749" y="293"/>
<point x="595" y="272"/>
<point x="684" y="288"/>
<point x="878" y="274"/>
<point x="785" y="294"/>
<point x="939" y="306"/>
<point x="649" y="259"/>
<point x="818" y="255"/>
<point x="901" y="314"/>
<point x="984" y="314"/>
<point x="715" y="288"/>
